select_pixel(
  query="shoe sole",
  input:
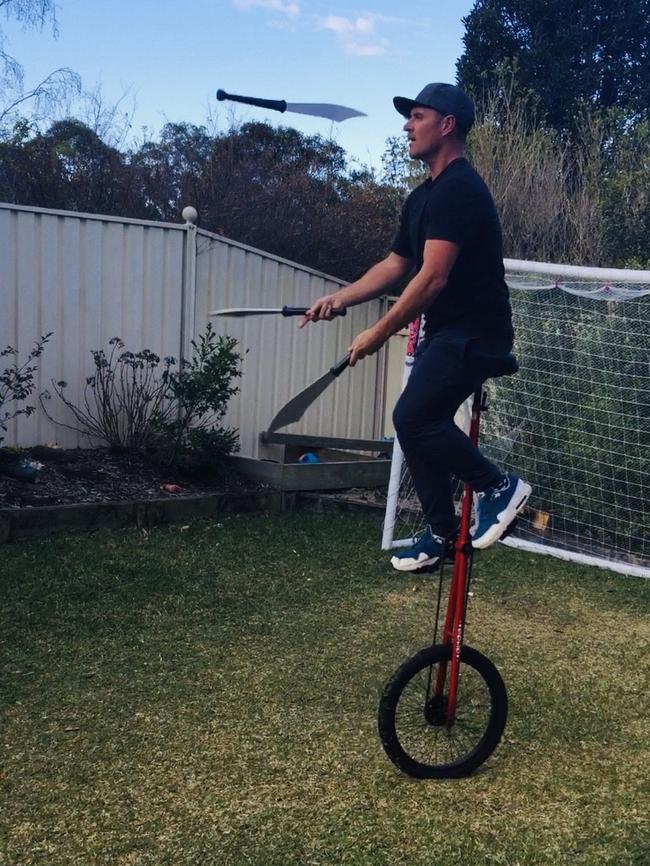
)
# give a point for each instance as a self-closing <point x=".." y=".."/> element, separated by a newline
<point x="505" y="518"/>
<point x="413" y="564"/>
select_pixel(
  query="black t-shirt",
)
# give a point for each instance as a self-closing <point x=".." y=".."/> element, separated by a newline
<point x="457" y="207"/>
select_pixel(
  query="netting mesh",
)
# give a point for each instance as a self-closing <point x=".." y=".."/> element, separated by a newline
<point x="575" y="420"/>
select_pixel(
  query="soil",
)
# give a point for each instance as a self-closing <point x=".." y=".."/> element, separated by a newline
<point x="100" y="475"/>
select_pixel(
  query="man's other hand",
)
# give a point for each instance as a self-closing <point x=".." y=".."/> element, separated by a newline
<point x="325" y="308"/>
<point x="366" y="343"/>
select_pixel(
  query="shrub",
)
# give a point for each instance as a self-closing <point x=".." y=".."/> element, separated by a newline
<point x="200" y="392"/>
<point x="17" y="383"/>
<point x="170" y="413"/>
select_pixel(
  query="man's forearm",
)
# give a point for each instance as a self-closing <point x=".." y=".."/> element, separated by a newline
<point x="415" y="298"/>
<point x="374" y="282"/>
<point x="439" y="258"/>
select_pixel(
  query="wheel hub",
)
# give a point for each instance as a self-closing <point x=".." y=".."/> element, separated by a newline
<point x="435" y="711"/>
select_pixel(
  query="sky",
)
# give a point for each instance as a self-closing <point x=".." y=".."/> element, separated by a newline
<point x="170" y="58"/>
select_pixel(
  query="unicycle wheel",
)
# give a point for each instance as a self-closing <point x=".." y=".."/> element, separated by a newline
<point x="413" y="722"/>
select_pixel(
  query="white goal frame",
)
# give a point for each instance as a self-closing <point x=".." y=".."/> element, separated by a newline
<point x="609" y="284"/>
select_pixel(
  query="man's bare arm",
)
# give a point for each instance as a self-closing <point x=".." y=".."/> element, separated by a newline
<point x="430" y="280"/>
<point x="371" y="285"/>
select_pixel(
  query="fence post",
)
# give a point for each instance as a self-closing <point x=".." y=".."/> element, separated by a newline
<point x="188" y="295"/>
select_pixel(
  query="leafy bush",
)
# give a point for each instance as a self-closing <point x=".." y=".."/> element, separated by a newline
<point x="200" y="393"/>
<point x="170" y="413"/>
<point x="17" y="383"/>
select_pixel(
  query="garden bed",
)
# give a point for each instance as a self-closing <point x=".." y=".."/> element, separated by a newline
<point x="82" y="490"/>
<point x="99" y="475"/>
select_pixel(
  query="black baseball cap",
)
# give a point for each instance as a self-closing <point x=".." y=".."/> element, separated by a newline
<point x="445" y="98"/>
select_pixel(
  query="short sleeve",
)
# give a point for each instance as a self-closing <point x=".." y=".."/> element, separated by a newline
<point x="453" y="214"/>
<point x="402" y="243"/>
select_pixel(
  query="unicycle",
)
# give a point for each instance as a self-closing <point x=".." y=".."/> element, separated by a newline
<point x="443" y="712"/>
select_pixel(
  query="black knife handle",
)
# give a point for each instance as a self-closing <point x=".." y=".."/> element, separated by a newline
<point x="340" y="366"/>
<point x="274" y="104"/>
<point x="300" y="311"/>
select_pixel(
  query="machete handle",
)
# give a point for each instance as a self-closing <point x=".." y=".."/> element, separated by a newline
<point x="340" y="366"/>
<point x="300" y="311"/>
<point x="274" y="104"/>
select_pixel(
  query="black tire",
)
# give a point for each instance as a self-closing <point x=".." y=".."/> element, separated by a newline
<point x="412" y="724"/>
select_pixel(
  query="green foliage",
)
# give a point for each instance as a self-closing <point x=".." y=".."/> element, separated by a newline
<point x="17" y="382"/>
<point x="170" y="413"/>
<point x="276" y="189"/>
<point x="579" y="199"/>
<point x="577" y="415"/>
<point x="200" y="392"/>
<point x="562" y="93"/>
<point x="626" y="194"/>
<point x="399" y="170"/>
<point x="586" y="53"/>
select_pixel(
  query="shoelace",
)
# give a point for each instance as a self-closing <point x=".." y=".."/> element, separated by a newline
<point x="495" y="492"/>
<point x="417" y="538"/>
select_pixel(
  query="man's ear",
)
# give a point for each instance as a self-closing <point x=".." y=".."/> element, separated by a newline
<point x="448" y="124"/>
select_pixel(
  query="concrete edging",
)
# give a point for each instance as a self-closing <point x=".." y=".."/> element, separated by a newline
<point x="21" y="524"/>
<point x="25" y="524"/>
<point x="327" y="503"/>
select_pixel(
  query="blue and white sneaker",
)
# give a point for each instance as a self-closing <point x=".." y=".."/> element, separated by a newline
<point x="497" y="508"/>
<point x="427" y="549"/>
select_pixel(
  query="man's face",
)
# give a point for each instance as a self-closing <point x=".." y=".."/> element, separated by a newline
<point x="426" y="129"/>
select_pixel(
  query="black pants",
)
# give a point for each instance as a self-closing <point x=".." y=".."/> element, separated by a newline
<point x="447" y="369"/>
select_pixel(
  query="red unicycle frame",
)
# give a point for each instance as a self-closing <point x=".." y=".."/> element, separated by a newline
<point x="443" y="712"/>
<point x="454" y="625"/>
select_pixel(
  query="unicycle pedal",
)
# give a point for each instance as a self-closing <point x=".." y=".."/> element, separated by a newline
<point x="510" y="529"/>
<point x="427" y="569"/>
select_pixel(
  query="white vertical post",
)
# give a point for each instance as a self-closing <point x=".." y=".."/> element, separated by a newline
<point x="398" y="455"/>
<point x="188" y="297"/>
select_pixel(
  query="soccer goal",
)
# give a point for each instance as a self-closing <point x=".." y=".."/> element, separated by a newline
<point x="574" y="422"/>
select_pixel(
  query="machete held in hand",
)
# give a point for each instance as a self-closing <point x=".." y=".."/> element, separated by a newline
<point x="267" y="311"/>
<point x="298" y="405"/>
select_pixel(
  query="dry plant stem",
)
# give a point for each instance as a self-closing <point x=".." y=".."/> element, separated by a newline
<point x="548" y="191"/>
<point x="124" y="401"/>
<point x="129" y="405"/>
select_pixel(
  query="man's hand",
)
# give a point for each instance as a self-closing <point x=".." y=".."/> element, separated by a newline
<point x="366" y="343"/>
<point x="326" y="307"/>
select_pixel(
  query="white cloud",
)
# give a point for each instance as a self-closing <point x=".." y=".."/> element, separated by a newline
<point x="357" y="35"/>
<point x="407" y="22"/>
<point x="292" y="10"/>
<point x="368" y="49"/>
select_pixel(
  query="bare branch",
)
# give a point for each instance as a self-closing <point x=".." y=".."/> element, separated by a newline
<point x="49" y="94"/>
<point x="32" y="13"/>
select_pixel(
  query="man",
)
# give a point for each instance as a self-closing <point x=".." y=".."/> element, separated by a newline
<point x="450" y="236"/>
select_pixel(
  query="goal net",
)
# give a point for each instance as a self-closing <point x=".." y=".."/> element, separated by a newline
<point x="574" y="422"/>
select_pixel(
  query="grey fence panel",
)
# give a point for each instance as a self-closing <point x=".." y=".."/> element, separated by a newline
<point x="86" y="278"/>
<point x="280" y="358"/>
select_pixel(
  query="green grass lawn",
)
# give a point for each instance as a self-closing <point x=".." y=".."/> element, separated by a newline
<point x="208" y="696"/>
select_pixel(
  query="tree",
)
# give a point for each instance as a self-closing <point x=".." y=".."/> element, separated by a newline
<point x="273" y="188"/>
<point x="49" y="93"/>
<point x="589" y="52"/>
<point x="67" y="167"/>
<point x="169" y="173"/>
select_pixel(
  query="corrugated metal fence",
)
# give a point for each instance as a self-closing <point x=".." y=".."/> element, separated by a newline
<point x="88" y="278"/>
